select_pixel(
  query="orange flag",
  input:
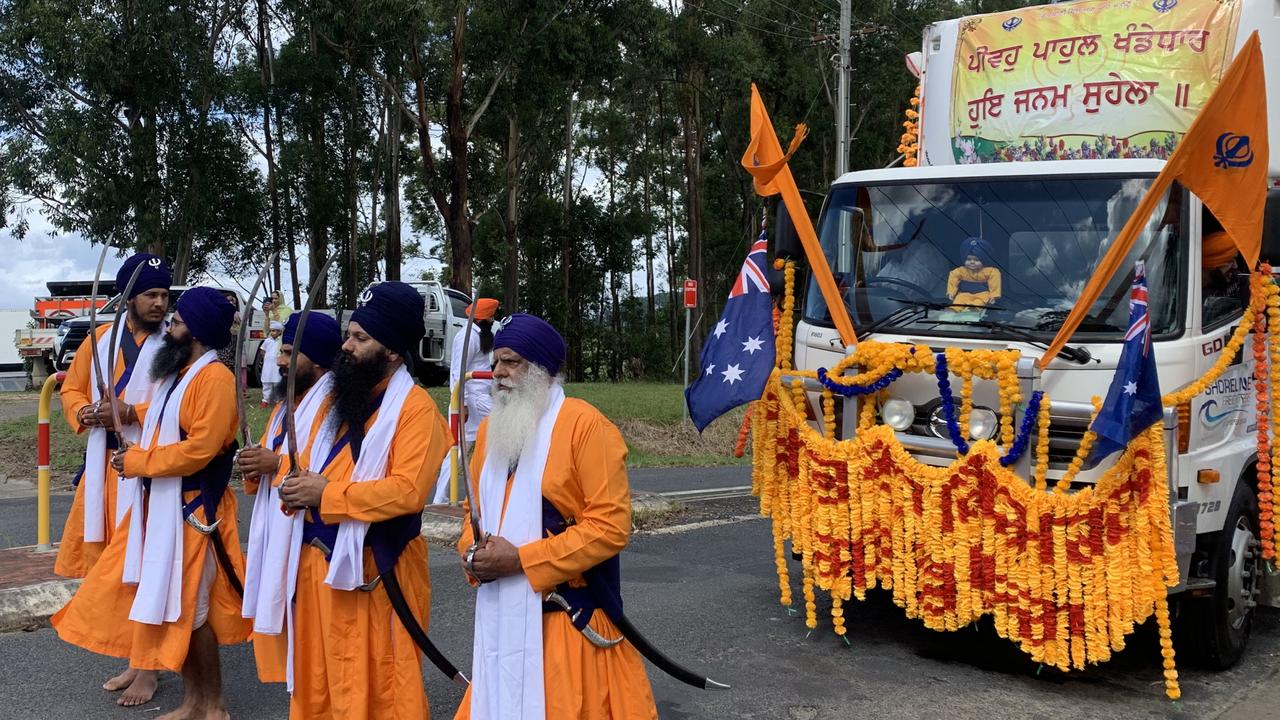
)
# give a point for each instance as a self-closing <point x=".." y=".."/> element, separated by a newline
<point x="1223" y="159"/>
<point x="767" y="164"/>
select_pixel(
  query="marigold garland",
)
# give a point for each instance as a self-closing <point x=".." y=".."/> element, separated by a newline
<point x="1065" y="575"/>
<point x="910" y="140"/>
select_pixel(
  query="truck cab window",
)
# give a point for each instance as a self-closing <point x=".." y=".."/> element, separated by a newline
<point x="1223" y="276"/>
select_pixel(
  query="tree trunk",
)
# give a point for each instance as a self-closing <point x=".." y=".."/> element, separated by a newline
<point x="391" y="205"/>
<point x="566" y="248"/>
<point x="319" y="240"/>
<point x="511" y="223"/>
<point x="264" y="70"/>
<point x="459" y="220"/>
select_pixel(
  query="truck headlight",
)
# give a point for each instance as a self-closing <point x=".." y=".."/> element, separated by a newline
<point x="982" y="423"/>
<point x="897" y="413"/>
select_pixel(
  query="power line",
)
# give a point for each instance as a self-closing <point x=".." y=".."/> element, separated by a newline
<point x="749" y="26"/>
<point x="803" y="31"/>
<point x="788" y="8"/>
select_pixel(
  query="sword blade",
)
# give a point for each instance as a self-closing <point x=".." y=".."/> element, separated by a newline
<point x="290" y="405"/>
<point x="661" y="661"/>
<point x="121" y="305"/>
<point x="95" y="366"/>
<point x="473" y="508"/>
<point x="245" y="316"/>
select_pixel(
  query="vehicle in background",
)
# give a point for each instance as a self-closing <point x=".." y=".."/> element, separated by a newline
<point x="73" y="332"/>
<point x="40" y="341"/>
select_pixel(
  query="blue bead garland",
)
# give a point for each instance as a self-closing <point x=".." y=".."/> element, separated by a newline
<point x="949" y="404"/>
<point x="883" y="382"/>
<point x="1023" y="438"/>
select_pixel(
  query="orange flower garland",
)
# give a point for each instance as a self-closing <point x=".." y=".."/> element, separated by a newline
<point x="1266" y="527"/>
<point x="910" y="140"/>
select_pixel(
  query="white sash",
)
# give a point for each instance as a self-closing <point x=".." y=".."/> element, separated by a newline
<point x="137" y="391"/>
<point x="275" y="539"/>
<point x="346" y="564"/>
<point x="153" y="556"/>
<point x="507" y="677"/>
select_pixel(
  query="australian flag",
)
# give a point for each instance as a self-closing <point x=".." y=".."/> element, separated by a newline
<point x="738" y="355"/>
<point x="1133" y="401"/>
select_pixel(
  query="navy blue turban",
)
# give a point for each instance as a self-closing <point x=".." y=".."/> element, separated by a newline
<point x="534" y="339"/>
<point x="208" y="315"/>
<point x="979" y="248"/>
<point x="155" y="274"/>
<point x="321" y="338"/>
<point x="391" y="312"/>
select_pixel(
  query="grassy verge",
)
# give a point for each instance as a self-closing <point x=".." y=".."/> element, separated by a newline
<point x="650" y="416"/>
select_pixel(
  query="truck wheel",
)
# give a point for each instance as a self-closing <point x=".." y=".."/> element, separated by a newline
<point x="1219" y="624"/>
<point x="432" y="375"/>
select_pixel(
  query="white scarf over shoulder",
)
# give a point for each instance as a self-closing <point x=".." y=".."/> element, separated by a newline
<point x="275" y="539"/>
<point x="153" y="556"/>
<point x="507" y="674"/>
<point x="346" y="565"/>
<point x="136" y="392"/>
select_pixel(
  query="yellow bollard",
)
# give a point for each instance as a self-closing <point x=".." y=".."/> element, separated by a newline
<point x="42" y="462"/>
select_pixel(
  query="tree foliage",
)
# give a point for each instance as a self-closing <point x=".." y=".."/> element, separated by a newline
<point x="576" y="158"/>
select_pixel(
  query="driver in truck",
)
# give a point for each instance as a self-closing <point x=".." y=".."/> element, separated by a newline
<point x="976" y="282"/>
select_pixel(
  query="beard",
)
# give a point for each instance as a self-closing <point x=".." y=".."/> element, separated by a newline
<point x="170" y="357"/>
<point x="136" y="322"/>
<point x="353" y="384"/>
<point x="515" y="415"/>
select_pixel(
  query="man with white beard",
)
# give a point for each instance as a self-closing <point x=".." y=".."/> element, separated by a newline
<point x="550" y="480"/>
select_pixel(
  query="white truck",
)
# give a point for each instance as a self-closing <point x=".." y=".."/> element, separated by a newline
<point x="891" y="236"/>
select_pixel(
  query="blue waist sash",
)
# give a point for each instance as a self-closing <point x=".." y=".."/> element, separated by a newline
<point x="971" y="286"/>
<point x="603" y="589"/>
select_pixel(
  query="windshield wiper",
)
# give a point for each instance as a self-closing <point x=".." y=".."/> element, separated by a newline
<point x="1075" y="354"/>
<point x="901" y="313"/>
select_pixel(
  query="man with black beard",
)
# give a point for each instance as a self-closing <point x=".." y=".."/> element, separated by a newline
<point x="178" y="545"/>
<point x="275" y="539"/>
<point x="362" y="504"/>
<point x="94" y="511"/>
<point x="550" y="482"/>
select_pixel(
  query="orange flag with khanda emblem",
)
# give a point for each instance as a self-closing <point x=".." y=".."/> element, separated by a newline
<point x="767" y="164"/>
<point x="1223" y="159"/>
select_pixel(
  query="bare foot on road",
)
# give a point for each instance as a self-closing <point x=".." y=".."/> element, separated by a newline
<point x="140" y="691"/>
<point x="120" y="681"/>
<point x="186" y="711"/>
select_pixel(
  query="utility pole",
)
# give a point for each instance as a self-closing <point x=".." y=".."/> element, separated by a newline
<point x="842" y="92"/>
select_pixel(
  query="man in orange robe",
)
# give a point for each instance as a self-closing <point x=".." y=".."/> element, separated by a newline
<point x="86" y="534"/>
<point x="160" y="595"/>
<point x="543" y="458"/>
<point x="353" y="657"/>
<point x="275" y="539"/>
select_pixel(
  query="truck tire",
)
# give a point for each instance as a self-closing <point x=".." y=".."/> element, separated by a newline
<point x="1216" y="628"/>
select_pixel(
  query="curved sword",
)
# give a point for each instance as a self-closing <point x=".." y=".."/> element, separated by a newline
<point x="121" y="306"/>
<point x="94" y="364"/>
<point x="290" y="405"/>
<point x="473" y="509"/>
<point x="245" y="316"/>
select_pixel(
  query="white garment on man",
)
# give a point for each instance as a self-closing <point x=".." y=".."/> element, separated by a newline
<point x="153" y="555"/>
<point x="508" y="681"/>
<point x="136" y="392"/>
<point x="475" y="396"/>
<point x="275" y="539"/>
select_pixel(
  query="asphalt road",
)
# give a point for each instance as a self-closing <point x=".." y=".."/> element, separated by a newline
<point x="705" y="592"/>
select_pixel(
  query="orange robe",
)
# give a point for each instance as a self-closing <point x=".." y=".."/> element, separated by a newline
<point x="271" y="652"/>
<point x="75" y="556"/>
<point x="97" y="617"/>
<point x="586" y="479"/>
<point x="353" y="659"/>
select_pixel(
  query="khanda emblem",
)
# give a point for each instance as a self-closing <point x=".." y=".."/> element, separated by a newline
<point x="1164" y="6"/>
<point x="1011" y="23"/>
<point x="365" y="296"/>
<point x="1233" y="151"/>
<point x="154" y="262"/>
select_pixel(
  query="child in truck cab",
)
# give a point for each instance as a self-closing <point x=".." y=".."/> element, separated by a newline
<point x="975" y="282"/>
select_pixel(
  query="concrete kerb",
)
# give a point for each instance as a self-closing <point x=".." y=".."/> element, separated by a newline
<point x="30" y="606"/>
<point x="442" y="527"/>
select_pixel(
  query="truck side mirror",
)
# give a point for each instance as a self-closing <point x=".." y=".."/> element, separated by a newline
<point x="786" y="242"/>
<point x="1271" y="227"/>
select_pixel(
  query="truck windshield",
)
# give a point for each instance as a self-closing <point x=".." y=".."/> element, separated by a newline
<point x="998" y="258"/>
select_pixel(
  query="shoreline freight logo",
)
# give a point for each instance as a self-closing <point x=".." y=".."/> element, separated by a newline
<point x="1211" y="418"/>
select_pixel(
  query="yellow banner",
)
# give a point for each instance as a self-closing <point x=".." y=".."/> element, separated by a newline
<point x="1086" y="80"/>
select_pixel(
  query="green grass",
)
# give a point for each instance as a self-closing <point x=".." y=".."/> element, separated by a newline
<point x="650" y="416"/>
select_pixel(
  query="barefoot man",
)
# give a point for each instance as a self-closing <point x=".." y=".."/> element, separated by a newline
<point x="362" y="507"/>
<point x="161" y="594"/>
<point x="94" y="512"/>
<point x="550" y="478"/>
